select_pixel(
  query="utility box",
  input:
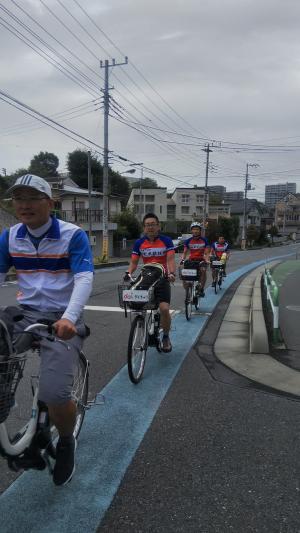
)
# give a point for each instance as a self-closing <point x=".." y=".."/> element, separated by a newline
<point x="93" y="240"/>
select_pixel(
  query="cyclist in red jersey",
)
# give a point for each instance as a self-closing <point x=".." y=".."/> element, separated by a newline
<point x="198" y="249"/>
<point x="220" y="250"/>
<point x="157" y="248"/>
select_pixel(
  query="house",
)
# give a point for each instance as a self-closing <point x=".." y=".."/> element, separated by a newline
<point x="72" y="205"/>
<point x="253" y="213"/>
<point x="287" y="215"/>
<point x="219" y="210"/>
<point x="143" y="201"/>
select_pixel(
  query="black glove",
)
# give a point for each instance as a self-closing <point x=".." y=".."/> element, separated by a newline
<point x="126" y="277"/>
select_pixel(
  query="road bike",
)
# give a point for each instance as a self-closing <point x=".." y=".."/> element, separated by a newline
<point x="144" y="314"/>
<point x="217" y="272"/>
<point x="190" y="273"/>
<point x="27" y="439"/>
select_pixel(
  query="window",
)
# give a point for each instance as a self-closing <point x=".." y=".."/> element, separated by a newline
<point x="149" y="208"/>
<point x="185" y="198"/>
<point x="199" y="209"/>
<point x="199" y="199"/>
<point x="185" y="210"/>
<point x="171" y="212"/>
<point x="137" y="198"/>
<point x="76" y="204"/>
<point x="150" y="198"/>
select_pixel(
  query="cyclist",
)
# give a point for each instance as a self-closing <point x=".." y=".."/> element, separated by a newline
<point x="220" y="251"/>
<point x="54" y="267"/>
<point x="157" y="248"/>
<point x="198" y="249"/>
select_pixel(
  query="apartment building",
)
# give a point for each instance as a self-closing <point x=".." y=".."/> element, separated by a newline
<point x="183" y="204"/>
<point x="275" y="193"/>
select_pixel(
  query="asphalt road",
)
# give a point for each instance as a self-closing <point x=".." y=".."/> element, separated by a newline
<point x="230" y="444"/>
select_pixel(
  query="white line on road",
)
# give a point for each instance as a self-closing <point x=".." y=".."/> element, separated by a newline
<point x="115" y="309"/>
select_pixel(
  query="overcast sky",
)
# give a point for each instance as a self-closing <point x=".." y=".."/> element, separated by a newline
<point x="224" y="71"/>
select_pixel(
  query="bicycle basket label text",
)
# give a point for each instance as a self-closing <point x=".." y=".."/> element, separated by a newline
<point x="135" y="296"/>
<point x="217" y="263"/>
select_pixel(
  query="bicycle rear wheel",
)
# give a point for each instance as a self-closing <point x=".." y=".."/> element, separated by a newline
<point x="188" y="302"/>
<point x="137" y="348"/>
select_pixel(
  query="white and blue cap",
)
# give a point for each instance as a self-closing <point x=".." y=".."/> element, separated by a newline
<point x="32" y="182"/>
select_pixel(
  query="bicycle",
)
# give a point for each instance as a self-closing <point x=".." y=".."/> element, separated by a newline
<point x="32" y="444"/>
<point x="190" y="274"/>
<point x="217" y="274"/>
<point x="145" y="322"/>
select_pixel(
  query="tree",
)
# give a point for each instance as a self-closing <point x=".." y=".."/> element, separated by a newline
<point x="273" y="232"/>
<point x="77" y="163"/>
<point x="146" y="183"/>
<point x="128" y="225"/>
<point x="44" y="164"/>
<point x="252" y="234"/>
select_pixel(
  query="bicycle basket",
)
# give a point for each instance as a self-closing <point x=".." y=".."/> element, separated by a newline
<point x="11" y="372"/>
<point x="190" y="271"/>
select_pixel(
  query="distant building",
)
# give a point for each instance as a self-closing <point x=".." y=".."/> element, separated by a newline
<point x="275" y="193"/>
<point x="183" y="204"/>
<point x="218" y="190"/>
<point x="233" y="196"/>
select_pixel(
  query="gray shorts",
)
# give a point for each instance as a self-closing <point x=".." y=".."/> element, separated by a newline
<point x="58" y="360"/>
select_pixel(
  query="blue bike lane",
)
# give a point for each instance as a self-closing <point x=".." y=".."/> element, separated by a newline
<point x="111" y="434"/>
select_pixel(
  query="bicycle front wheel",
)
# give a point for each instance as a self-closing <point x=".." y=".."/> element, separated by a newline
<point x="137" y="348"/>
<point x="80" y="391"/>
<point x="188" y="302"/>
<point x="216" y="281"/>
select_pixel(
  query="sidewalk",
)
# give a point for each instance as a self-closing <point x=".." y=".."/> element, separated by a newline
<point x="232" y="345"/>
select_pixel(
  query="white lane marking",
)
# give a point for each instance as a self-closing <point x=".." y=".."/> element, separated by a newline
<point x="293" y="307"/>
<point x="115" y="309"/>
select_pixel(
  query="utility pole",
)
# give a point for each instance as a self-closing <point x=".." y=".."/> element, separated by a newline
<point x="140" y="202"/>
<point x="247" y="188"/>
<point x="90" y="187"/>
<point x="205" y="211"/>
<point x="106" y="66"/>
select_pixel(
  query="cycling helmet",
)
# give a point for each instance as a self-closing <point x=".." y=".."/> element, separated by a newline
<point x="196" y="225"/>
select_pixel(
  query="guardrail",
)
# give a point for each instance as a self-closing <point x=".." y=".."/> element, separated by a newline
<point x="273" y="299"/>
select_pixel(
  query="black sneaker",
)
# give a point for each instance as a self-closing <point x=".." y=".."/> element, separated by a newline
<point x="65" y="461"/>
<point x="166" y="345"/>
<point x="202" y="293"/>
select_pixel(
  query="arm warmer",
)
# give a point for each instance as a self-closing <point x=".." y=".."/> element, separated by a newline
<point x="83" y="282"/>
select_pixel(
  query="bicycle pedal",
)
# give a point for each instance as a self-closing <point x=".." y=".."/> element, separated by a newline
<point x="98" y="400"/>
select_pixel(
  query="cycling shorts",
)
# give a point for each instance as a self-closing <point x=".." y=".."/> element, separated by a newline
<point x="162" y="291"/>
<point x="57" y="363"/>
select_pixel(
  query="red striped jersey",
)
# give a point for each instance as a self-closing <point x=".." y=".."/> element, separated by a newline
<point x="154" y="251"/>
